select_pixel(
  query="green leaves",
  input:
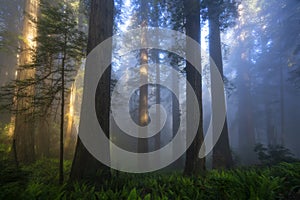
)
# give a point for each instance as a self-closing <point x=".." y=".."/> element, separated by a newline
<point x="60" y="47"/>
<point x="273" y="154"/>
<point x="133" y="195"/>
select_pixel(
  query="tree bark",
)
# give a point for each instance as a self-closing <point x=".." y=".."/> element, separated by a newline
<point x="8" y="57"/>
<point x="24" y="129"/>
<point x="100" y="28"/>
<point x="43" y="137"/>
<point x="193" y="165"/>
<point x="179" y="163"/>
<point x="71" y="133"/>
<point x="222" y="157"/>
<point x="143" y="98"/>
<point x="62" y="116"/>
<point x="246" y="128"/>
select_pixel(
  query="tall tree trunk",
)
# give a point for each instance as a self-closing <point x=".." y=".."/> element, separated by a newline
<point x="282" y="107"/>
<point x="157" y="99"/>
<point x="246" y="128"/>
<point x="222" y="157"/>
<point x="71" y="132"/>
<point x="70" y="129"/>
<point x="143" y="98"/>
<point x="8" y="57"/>
<point x="179" y="163"/>
<point x="193" y="165"/>
<point x="100" y="28"/>
<point x="24" y="130"/>
<point x="62" y="116"/>
<point x="43" y="137"/>
<point x="155" y="57"/>
<point x="142" y="145"/>
<point x="270" y="127"/>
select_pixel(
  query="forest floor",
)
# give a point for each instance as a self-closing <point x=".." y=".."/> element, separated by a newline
<point x="40" y="181"/>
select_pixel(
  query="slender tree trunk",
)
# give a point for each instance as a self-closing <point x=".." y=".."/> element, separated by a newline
<point x="222" y="157"/>
<point x="155" y="57"/>
<point x="24" y="129"/>
<point x="142" y="145"/>
<point x="179" y="163"/>
<point x="282" y="107"/>
<point x="100" y="28"/>
<point x="270" y="127"/>
<point x="157" y="100"/>
<point x="193" y="165"/>
<point x="62" y="117"/>
<point x="69" y="145"/>
<point x="143" y="99"/>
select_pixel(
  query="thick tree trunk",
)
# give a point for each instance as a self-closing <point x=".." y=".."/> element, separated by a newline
<point x="24" y="129"/>
<point x="246" y="128"/>
<point x="193" y="164"/>
<point x="43" y="138"/>
<point x="222" y="157"/>
<point x="100" y="28"/>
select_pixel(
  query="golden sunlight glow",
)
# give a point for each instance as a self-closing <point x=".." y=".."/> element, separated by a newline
<point x="30" y="40"/>
<point x="29" y="33"/>
<point x="75" y="5"/>
<point x="72" y="101"/>
<point x="11" y="128"/>
<point x="144" y="56"/>
<point x="145" y="99"/>
<point x="144" y="118"/>
<point x="144" y="70"/>
<point x="70" y="116"/>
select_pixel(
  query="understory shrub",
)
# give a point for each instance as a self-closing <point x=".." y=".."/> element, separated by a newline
<point x="40" y="181"/>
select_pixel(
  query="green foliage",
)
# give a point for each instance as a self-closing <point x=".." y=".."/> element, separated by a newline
<point x="81" y="191"/>
<point x="273" y="154"/>
<point x="5" y="141"/>
<point x="45" y="171"/>
<point x="39" y="181"/>
<point x="291" y="177"/>
<point x="59" y="53"/>
<point x="257" y="183"/>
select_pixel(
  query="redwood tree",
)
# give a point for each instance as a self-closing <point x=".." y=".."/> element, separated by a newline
<point x="193" y="164"/>
<point x="222" y="157"/>
<point x="23" y="139"/>
<point x="100" y="28"/>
